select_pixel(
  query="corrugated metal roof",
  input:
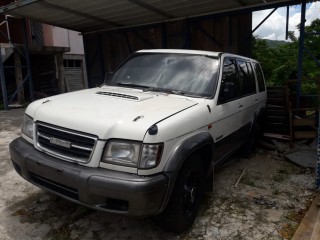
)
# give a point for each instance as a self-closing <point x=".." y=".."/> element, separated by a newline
<point x="85" y="16"/>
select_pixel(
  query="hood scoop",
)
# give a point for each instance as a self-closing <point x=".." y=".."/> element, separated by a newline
<point x="118" y="95"/>
<point x="136" y="97"/>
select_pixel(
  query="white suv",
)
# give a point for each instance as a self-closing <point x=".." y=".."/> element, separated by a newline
<point x="147" y="141"/>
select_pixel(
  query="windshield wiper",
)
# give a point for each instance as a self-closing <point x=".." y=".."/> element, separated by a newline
<point x="156" y="89"/>
<point x="169" y="91"/>
<point x="178" y="92"/>
<point x="124" y="84"/>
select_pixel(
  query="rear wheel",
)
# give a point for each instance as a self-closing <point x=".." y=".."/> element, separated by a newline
<point x="250" y="145"/>
<point x="186" y="197"/>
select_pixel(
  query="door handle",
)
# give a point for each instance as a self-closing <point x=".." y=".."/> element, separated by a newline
<point x="240" y="105"/>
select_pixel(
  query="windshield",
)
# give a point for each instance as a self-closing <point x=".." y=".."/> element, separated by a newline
<point x="175" y="73"/>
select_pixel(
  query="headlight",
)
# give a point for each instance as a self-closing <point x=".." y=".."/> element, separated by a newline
<point x="27" y="126"/>
<point x="128" y="153"/>
<point x="150" y="155"/>
<point x="122" y="153"/>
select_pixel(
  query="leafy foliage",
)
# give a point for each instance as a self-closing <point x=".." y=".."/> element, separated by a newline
<point x="280" y="62"/>
<point x="312" y="44"/>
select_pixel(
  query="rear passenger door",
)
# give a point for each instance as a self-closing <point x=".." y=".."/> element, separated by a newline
<point x="249" y="97"/>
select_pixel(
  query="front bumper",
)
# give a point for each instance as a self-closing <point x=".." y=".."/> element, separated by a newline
<point x="99" y="188"/>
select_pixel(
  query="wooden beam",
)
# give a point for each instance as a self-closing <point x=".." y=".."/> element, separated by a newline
<point x="60" y="72"/>
<point x="308" y="227"/>
<point x="18" y="75"/>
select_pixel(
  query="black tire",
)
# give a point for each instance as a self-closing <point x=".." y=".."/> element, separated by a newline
<point x="250" y="146"/>
<point x="186" y="197"/>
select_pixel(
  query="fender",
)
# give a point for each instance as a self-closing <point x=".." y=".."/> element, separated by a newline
<point x="185" y="149"/>
<point x="180" y="155"/>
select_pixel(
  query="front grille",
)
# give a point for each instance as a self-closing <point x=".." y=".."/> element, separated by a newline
<point x="54" y="186"/>
<point x="65" y="144"/>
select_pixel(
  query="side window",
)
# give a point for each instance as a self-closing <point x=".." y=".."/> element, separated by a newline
<point x="230" y="85"/>
<point x="248" y="82"/>
<point x="258" y="70"/>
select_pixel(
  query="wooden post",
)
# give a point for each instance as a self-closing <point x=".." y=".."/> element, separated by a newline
<point x="318" y="148"/>
<point x="18" y="74"/>
<point x="60" y="72"/>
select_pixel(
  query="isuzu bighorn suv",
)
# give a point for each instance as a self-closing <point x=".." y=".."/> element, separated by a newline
<point x="146" y="142"/>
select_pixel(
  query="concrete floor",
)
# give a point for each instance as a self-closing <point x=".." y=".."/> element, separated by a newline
<point x="269" y="202"/>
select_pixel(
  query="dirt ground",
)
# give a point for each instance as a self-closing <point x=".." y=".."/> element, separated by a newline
<point x="268" y="203"/>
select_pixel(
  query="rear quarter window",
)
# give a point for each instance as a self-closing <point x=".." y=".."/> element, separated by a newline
<point x="260" y="78"/>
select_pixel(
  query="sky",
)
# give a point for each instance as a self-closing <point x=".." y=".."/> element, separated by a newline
<point x="275" y="26"/>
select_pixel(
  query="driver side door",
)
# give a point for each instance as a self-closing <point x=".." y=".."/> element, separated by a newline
<point x="229" y="114"/>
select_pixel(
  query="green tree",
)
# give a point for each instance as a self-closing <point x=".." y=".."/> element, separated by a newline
<point x="280" y="63"/>
<point x="312" y="44"/>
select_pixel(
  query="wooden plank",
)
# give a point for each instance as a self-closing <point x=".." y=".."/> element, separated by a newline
<point x="276" y="112"/>
<point x="277" y="125"/>
<point x="18" y="75"/>
<point x="306" y="227"/>
<point x="304" y="134"/>
<point x="276" y="93"/>
<point x="274" y="128"/>
<point x="276" y="101"/>
<point x="275" y="88"/>
<point x="316" y="230"/>
<point x="276" y="136"/>
<point x="277" y="119"/>
<point x="303" y="109"/>
<point x="276" y="107"/>
<point x="60" y="72"/>
<point x="304" y="122"/>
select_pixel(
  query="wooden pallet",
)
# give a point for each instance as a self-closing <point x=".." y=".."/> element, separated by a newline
<point x="309" y="228"/>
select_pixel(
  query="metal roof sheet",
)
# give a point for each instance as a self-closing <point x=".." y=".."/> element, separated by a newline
<point x="85" y="16"/>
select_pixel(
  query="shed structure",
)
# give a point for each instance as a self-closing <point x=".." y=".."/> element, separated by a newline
<point x="114" y="29"/>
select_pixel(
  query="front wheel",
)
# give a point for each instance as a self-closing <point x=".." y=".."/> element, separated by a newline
<point x="186" y="197"/>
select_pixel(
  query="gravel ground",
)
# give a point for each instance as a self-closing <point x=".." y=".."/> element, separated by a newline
<point x="268" y="203"/>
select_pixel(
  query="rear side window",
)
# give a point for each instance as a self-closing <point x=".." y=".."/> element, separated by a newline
<point x="248" y="82"/>
<point x="260" y="78"/>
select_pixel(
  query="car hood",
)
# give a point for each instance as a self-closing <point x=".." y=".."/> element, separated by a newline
<point x="109" y="112"/>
